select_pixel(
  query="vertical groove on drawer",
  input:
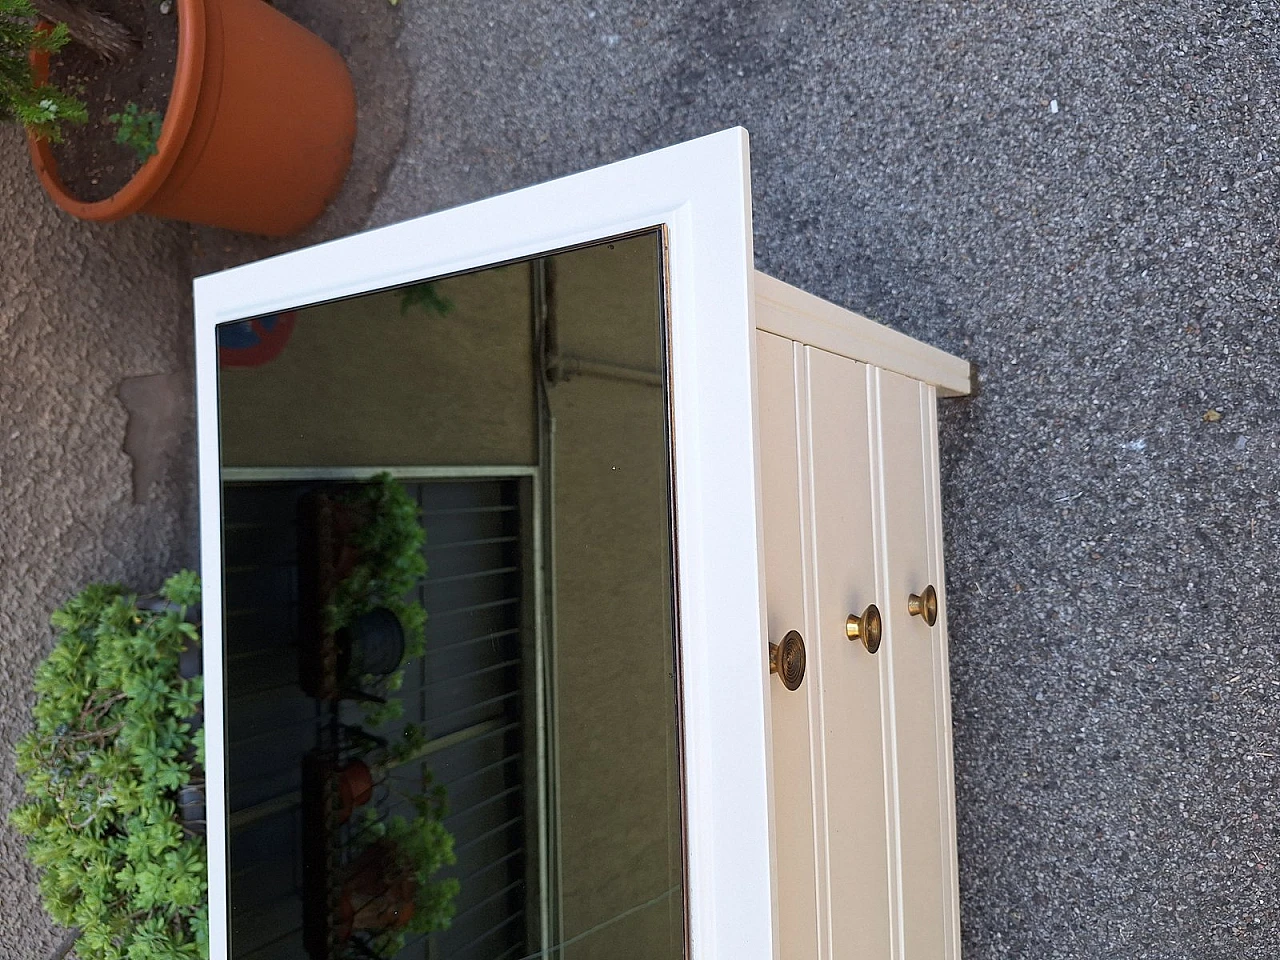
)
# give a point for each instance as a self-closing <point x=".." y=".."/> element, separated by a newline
<point x="854" y="850"/>
<point x="813" y="629"/>
<point x="793" y="835"/>
<point x="887" y="687"/>
<point x="924" y="877"/>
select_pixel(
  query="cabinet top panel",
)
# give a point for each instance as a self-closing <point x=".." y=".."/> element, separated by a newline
<point x="797" y="315"/>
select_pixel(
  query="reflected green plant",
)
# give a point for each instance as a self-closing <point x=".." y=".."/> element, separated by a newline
<point x="422" y="847"/>
<point x="424" y="297"/>
<point x="390" y="567"/>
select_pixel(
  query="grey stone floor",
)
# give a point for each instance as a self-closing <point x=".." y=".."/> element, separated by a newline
<point x="1079" y="197"/>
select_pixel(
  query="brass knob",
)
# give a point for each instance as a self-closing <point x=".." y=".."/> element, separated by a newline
<point x="924" y="605"/>
<point x="866" y="628"/>
<point x="786" y="659"/>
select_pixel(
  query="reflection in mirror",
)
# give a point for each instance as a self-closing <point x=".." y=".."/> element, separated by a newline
<point x="449" y="619"/>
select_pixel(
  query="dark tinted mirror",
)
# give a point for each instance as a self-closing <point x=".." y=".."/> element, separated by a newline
<point x="451" y="689"/>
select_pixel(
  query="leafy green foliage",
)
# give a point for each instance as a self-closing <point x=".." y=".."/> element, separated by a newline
<point x="40" y="107"/>
<point x="111" y="748"/>
<point x="422" y="847"/>
<point x="391" y="565"/>
<point x="138" y="130"/>
<point x="410" y="745"/>
<point x="424" y="297"/>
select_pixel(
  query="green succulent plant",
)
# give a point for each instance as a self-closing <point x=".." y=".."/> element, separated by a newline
<point x="138" y="129"/>
<point x="111" y="748"/>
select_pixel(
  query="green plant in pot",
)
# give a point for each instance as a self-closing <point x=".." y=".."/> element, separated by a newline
<point x="110" y="767"/>
<point x="193" y="110"/>
<point x="369" y="606"/>
<point x="390" y="890"/>
<point x="37" y="105"/>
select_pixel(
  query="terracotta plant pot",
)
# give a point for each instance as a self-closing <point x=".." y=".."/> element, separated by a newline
<point x="378" y="893"/>
<point x="355" y="788"/>
<point x="258" y="133"/>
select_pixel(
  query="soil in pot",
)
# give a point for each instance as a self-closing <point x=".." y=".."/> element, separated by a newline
<point x="91" y="165"/>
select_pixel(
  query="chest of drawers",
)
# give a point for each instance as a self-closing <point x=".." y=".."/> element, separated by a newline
<point x="724" y="688"/>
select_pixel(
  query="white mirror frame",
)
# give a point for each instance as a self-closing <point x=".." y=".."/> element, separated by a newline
<point x="700" y="191"/>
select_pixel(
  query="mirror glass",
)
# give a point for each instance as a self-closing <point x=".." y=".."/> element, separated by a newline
<point x="449" y="619"/>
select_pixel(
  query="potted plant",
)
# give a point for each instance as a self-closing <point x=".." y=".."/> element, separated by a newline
<point x="222" y="112"/>
<point x="39" y="107"/>
<point x="110" y="769"/>
<point x="369" y="873"/>
<point x="360" y="560"/>
<point x="388" y="888"/>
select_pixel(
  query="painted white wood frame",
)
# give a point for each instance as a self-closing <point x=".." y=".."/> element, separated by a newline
<point x="699" y="194"/>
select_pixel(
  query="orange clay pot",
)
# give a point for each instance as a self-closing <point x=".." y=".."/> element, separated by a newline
<point x="257" y="135"/>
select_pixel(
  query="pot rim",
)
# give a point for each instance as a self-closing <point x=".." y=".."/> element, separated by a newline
<point x="188" y="77"/>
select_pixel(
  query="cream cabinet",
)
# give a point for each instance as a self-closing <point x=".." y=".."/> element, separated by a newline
<point x="863" y="802"/>
<point x="682" y="690"/>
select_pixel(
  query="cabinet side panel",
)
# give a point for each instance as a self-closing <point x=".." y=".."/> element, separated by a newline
<point x="795" y="869"/>
<point x="942" y="671"/>
<point x="925" y="876"/>
<point x="857" y="822"/>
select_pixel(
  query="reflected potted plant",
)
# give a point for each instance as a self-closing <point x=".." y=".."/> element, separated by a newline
<point x="360" y="557"/>
<point x="389" y="889"/>
<point x="114" y="775"/>
<point x="221" y="112"/>
<point x="368" y="874"/>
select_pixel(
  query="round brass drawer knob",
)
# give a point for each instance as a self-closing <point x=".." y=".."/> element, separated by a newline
<point x="787" y="660"/>
<point x="866" y="628"/>
<point x="924" y="605"/>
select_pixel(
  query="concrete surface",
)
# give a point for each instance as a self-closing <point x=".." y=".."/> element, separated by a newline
<point x="1077" y="196"/>
<point x="81" y="310"/>
<point x="97" y="453"/>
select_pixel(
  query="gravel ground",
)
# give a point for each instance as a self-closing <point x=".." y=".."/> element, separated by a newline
<point x="1079" y="197"/>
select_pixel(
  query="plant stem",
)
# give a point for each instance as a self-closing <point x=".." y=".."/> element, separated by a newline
<point x="98" y="709"/>
<point x="104" y="36"/>
<point x="69" y="941"/>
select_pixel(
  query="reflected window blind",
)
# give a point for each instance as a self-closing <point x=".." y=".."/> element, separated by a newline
<point x="469" y="691"/>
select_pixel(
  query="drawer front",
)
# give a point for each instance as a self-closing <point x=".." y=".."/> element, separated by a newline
<point x="793" y="734"/>
<point x="852" y="680"/>
<point x="915" y="652"/>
